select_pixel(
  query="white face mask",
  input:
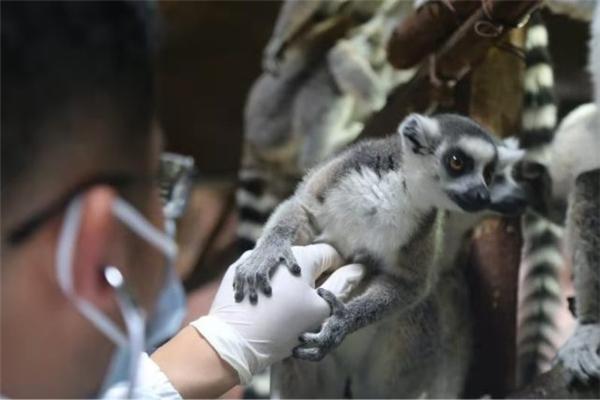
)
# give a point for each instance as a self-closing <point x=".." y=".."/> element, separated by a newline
<point x="170" y="310"/>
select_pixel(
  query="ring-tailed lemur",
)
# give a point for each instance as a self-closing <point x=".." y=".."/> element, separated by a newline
<point x="421" y="352"/>
<point x="542" y="261"/>
<point x="312" y="107"/>
<point x="380" y="203"/>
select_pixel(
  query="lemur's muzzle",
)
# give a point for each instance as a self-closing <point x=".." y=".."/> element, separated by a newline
<point x="476" y="198"/>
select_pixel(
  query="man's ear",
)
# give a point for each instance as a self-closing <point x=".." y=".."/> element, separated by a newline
<point x="509" y="155"/>
<point x="421" y="133"/>
<point x="98" y="244"/>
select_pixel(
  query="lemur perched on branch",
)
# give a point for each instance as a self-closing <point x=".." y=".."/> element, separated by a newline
<point x="315" y="102"/>
<point x="424" y="351"/>
<point x="382" y="203"/>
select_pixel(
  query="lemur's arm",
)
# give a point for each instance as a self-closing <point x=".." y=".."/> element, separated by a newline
<point x="392" y="287"/>
<point x="580" y="353"/>
<point x="289" y="225"/>
<point x="383" y="294"/>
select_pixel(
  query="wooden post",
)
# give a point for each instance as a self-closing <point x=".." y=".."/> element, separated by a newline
<point x="496" y="92"/>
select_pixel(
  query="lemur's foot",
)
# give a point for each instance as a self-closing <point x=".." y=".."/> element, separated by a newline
<point x="315" y="346"/>
<point x="255" y="271"/>
<point x="579" y="355"/>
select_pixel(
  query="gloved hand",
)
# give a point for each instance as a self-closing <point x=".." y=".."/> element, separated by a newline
<point x="252" y="337"/>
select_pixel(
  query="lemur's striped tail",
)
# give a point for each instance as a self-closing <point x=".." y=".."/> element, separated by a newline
<point x="540" y="295"/>
<point x="255" y="204"/>
<point x="539" y="290"/>
<point x="539" y="117"/>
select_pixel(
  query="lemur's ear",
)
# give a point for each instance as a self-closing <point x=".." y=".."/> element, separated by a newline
<point x="421" y="133"/>
<point x="509" y="153"/>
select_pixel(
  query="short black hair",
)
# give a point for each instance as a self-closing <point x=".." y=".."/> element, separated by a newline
<point x="58" y="55"/>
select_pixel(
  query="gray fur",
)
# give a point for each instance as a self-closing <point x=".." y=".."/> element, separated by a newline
<point x="422" y="351"/>
<point x="580" y="354"/>
<point x="327" y="188"/>
<point x="397" y="226"/>
<point x="571" y="173"/>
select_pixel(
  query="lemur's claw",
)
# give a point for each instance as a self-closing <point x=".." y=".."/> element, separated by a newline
<point x="238" y="288"/>
<point x="267" y="290"/>
<point x="253" y="297"/>
<point x="315" y="346"/>
<point x="337" y="307"/>
<point x="579" y="355"/>
<point x="295" y="269"/>
<point x="239" y="297"/>
<point x="253" y="273"/>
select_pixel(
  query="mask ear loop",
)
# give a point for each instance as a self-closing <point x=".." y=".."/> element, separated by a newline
<point x="64" y="274"/>
<point x="134" y="320"/>
<point x="140" y="225"/>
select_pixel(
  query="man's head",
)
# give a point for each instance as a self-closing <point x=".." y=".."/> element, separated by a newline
<point x="77" y="104"/>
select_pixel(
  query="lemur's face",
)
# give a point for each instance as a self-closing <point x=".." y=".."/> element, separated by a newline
<point x="466" y="168"/>
<point x="507" y="196"/>
<point x="460" y="160"/>
<point x="535" y="179"/>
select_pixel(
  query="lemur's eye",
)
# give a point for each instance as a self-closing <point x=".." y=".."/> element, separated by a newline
<point x="488" y="173"/>
<point x="456" y="163"/>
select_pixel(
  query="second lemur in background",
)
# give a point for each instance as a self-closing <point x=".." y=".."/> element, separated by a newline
<point x="571" y="173"/>
<point x="572" y="176"/>
<point x="313" y="99"/>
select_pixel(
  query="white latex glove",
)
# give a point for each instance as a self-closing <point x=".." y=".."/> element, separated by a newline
<point x="252" y="337"/>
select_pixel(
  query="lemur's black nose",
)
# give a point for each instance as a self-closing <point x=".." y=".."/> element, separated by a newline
<point x="475" y="199"/>
<point x="481" y="195"/>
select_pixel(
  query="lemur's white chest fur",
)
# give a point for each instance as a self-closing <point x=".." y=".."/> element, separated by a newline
<point x="366" y="212"/>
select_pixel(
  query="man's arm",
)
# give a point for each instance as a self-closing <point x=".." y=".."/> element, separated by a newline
<point x="193" y="367"/>
<point x="236" y="340"/>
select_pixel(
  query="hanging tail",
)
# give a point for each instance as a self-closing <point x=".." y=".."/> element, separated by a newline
<point x="540" y="293"/>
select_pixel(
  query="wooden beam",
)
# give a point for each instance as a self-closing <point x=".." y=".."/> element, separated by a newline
<point x="464" y="50"/>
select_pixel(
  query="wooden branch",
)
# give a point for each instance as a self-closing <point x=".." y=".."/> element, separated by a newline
<point x="426" y="30"/>
<point x="460" y="53"/>
<point x="554" y="385"/>
<point x="492" y="274"/>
